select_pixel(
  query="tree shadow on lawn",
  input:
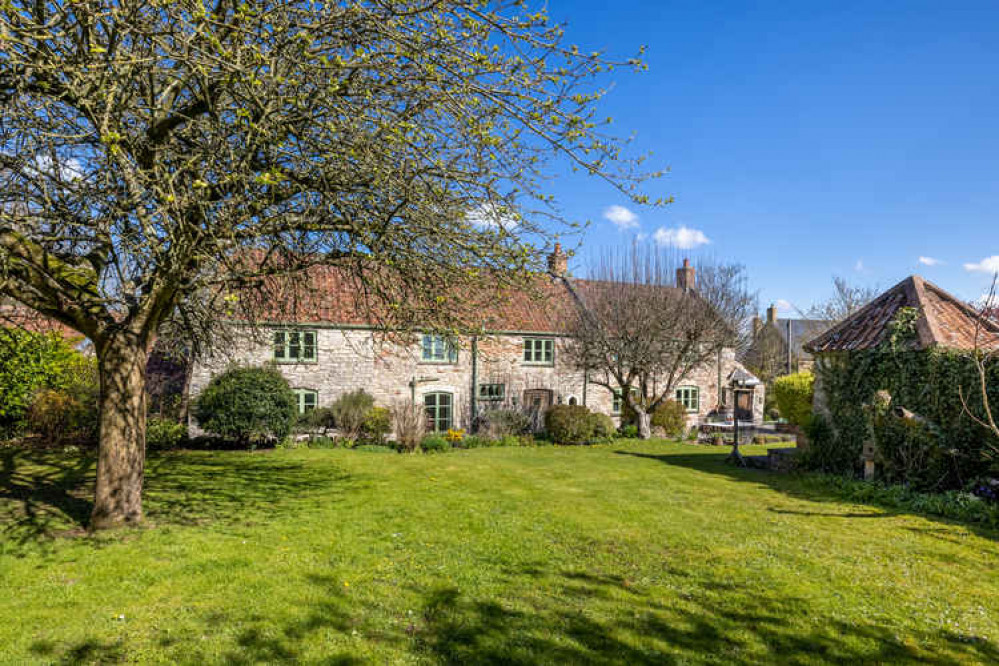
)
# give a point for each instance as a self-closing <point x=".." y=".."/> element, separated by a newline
<point x="45" y="494"/>
<point x="583" y="618"/>
<point x="798" y="487"/>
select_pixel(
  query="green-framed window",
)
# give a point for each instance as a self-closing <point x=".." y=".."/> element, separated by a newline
<point x="437" y="349"/>
<point x="307" y="399"/>
<point x="492" y="391"/>
<point x="539" y="351"/>
<point x="439" y="406"/>
<point x="295" y="346"/>
<point x="618" y="403"/>
<point x="689" y="397"/>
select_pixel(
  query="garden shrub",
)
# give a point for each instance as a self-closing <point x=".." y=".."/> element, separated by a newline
<point x="828" y="453"/>
<point x="475" y="442"/>
<point x="603" y="426"/>
<point x="55" y="416"/>
<point x="629" y="430"/>
<point x="247" y="405"/>
<point x="350" y="411"/>
<point x="376" y="426"/>
<point x="496" y="423"/>
<point x="410" y="425"/>
<point x="30" y="362"/>
<point x="793" y="394"/>
<point x="509" y="440"/>
<point x="434" y="443"/>
<point x="671" y="417"/>
<point x="569" y="424"/>
<point x="910" y="451"/>
<point x="164" y="434"/>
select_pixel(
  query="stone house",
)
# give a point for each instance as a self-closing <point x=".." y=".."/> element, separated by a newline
<point x="517" y="361"/>
<point x="778" y="344"/>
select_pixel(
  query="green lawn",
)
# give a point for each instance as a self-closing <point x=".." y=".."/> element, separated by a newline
<point x="632" y="553"/>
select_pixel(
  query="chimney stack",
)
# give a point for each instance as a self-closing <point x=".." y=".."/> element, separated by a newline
<point x="685" y="276"/>
<point x="558" y="261"/>
<point x="771" y="314"/>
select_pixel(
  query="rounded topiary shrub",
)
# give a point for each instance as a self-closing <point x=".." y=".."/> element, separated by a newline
<point x="569" y="424"/>
<point x="793" y="394"/>
<point x="671" y="417"/>
<point x="247" y="405"/>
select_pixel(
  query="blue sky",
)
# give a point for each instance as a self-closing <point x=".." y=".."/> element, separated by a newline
<point x="806" y="140"/>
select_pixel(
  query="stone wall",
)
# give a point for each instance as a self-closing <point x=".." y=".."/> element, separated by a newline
<point x="351" y="359"/>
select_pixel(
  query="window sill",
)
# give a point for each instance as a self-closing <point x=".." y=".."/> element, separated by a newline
<point x="422" y="362"/>
<point x="534" y="364"/>
<point x="295" y="362"/>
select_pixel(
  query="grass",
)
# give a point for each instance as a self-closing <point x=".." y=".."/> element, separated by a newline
<point x="631" y="553"/>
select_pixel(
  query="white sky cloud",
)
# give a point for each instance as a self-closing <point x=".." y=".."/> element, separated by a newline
<point x="986" y="265"/>
<point x="621" y="217"/>
<point x="930" y="261"/>
<point x="491" y="216"/>
<point x="859" y="266"/>
<point x="784" y="305"/>
<point x="682" y="237"/>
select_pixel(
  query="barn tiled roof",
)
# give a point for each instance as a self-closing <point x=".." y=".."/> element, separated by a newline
<point x="944" y="321"/>
<point x="337" y="297"/>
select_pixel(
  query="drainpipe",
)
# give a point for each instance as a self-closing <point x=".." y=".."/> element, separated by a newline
<point x="788" y="346"/>
<point x="718" y="387"/>
<point x="586" y="378"/>
<point x="473" y="426"/>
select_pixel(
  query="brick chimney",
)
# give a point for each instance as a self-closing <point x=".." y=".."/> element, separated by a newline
<point x="558" y="261"/>
<point x="772" y="314"/>
<point x="685" y="276"/>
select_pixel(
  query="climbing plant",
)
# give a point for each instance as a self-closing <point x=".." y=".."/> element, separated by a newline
<point x="947" y="453"/>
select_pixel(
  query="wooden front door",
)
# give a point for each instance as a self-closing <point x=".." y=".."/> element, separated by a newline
<point x="744" y="404"/>
<point x="537" y="400"/>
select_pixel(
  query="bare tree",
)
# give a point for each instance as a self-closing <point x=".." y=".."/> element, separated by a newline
<point x="160" y="161"/>
<point x="640" y="334"/>
<point x="984" y="355"/>
<point x="846" y="300"/>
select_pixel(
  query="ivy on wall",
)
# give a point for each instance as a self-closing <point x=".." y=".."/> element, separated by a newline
<point x="947" y="451"/>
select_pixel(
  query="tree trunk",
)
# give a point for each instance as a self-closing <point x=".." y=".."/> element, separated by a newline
<point x="644" y="424"/>
<point x="121" y="460"/>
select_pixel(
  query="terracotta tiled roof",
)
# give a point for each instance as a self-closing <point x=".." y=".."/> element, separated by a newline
<point x="337" y="297"/>
<point x="334" y="296"/>
<point x="944" y="321"/>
